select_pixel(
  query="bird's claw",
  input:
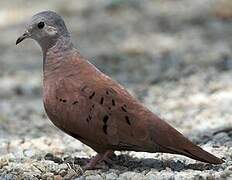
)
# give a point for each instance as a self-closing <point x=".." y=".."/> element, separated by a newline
<point x="105" y="157"/>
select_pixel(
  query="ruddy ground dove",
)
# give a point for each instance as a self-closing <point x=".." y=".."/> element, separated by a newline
<point x="91" y="107"/>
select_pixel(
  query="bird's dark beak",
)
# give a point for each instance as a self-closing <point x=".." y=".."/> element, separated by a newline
<point x="21" y="38"/>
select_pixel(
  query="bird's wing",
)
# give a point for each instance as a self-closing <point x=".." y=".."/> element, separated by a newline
<point x="99" y="110"/>
<point x="116" y="120"/>
<point x="131" y="126"/>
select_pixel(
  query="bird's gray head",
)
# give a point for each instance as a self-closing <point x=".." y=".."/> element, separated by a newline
<point x="46" y="28"/>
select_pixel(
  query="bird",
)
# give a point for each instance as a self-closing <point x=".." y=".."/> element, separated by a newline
<point x="93" y="108"/>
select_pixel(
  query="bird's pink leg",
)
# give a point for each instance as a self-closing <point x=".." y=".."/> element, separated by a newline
<point x="99" y="158"/>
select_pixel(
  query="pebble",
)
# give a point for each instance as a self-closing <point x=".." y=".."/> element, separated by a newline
<point x="58" y="177"/>
<point x="62" y="172"/>
<point x="71" y="174"/>
<point x="111" y="176"/>
<point x="47" y="176"/>
<point x="94" y="177"/>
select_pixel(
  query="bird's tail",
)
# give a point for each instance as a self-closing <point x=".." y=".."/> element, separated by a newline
<point x="194" y="152"/>
<point x="172" y="141"/>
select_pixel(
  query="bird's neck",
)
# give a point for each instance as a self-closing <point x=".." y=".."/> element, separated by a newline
<point x="54" y="57"/>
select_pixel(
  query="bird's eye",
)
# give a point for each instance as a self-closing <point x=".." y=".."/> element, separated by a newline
<point x="40" y="25"/>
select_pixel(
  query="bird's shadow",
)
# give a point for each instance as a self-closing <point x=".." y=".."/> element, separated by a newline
<point x="128" y="163"/>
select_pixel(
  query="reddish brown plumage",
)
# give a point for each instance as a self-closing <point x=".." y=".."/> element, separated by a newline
<point x="91" y="107"/>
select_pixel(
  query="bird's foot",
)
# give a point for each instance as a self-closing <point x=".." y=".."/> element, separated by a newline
<point x="100" y="157"/>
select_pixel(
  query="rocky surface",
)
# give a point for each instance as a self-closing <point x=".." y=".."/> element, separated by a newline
<point x="174" y="56"/>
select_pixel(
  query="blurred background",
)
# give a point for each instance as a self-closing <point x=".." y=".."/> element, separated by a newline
<point x="175" y="56"/>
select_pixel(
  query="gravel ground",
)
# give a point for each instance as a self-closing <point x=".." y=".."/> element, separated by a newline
<point x="174" y="56"/>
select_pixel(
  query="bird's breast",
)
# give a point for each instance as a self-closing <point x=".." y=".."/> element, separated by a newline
<point x="50" y="103"/>
<point x="63" y="104"/>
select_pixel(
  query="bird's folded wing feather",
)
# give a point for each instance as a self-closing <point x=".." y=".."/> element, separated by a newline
<point x="113" y="119"/>
<point x="104" y="114"/>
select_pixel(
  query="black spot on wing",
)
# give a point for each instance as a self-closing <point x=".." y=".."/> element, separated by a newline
<point x="87" y="119"/>
<point x="123" y="109"/>
<point x="92" y="95"/>
<point x="127" y="120"/>
<point x="102" y="100"/>
<point x="104" y="128"/>
<point x="63" y="100"/>
<point x="75" y="102"/>
<point x="105" y="118"/>
<point x="113" y="102"/>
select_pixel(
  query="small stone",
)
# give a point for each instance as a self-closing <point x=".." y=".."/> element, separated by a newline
<point x="111" y="176"/>
<point x="94" y="177"/>
<point x="48" y="176"/>
<point x="71" y="174"/>
<point x="49" y="156"/>
<point x="78" y="169"/>
<point x="221" y="137"/>
<point x="29" y="153"/>
<point x="129" y="175"/>
<point x="3" y="162"/>
<point x="57" y="160"/>
<point x="9" y="177"/>
<point x="62" y="172"/>
<point x="176" y="166"/>
<point x="227" y="173"/>
<point x="80" y="178"/>
<point x="57" y="177"/>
